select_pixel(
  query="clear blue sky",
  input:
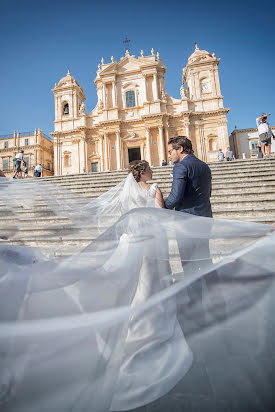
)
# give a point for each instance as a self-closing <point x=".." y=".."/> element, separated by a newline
<point x="40" y="40"/>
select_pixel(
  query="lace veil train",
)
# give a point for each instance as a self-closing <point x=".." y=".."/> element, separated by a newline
<point x="118" y="324"/>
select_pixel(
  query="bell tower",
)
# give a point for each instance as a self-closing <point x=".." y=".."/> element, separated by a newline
<point x="208" y="121"/>
<point x="68" y="97"/>
<point x="201" y="79"/>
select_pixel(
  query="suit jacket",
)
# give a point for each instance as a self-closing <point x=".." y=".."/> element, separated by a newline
<point x="191" y="187"/>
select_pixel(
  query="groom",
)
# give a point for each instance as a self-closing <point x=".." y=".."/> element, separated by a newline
<point x="190" y="193"/>
<point x="191" y="188"/>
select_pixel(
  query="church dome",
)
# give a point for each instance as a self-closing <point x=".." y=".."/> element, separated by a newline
<point x="68" y="79"/>
<point x="198" y="54"/>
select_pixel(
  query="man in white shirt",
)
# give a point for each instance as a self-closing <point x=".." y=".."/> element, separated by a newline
<point x="38" y="170"/>
<point x="19" y="159"/>
<point x="265" y="133"/>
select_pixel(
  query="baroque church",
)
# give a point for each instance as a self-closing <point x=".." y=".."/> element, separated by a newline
<point x="134" y="116"/>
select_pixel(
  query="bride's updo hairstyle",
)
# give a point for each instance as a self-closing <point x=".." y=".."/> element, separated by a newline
<point x="137" y="168"/>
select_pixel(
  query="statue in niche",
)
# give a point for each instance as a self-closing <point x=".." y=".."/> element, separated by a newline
<point x="137" y="94"/>
<point x="183" y="92"/>
<point x="100" y="104"/>
<point x="82" y="108"/>
<point x="163" y="96"/>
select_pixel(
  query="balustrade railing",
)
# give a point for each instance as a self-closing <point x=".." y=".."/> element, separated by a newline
<point x="22" y="134"/>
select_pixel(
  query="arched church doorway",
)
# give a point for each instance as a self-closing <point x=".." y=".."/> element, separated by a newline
<point x="134" y="154"/>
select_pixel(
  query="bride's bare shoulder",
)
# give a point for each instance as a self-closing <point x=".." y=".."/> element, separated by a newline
<point x="144" y="185"/>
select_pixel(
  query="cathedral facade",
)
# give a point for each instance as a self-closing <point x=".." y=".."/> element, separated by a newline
<point x="134" y="116"/>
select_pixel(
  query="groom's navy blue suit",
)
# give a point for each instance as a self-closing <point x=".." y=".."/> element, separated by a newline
<point x="190" y="193"/>
<point x="191" y="188"/>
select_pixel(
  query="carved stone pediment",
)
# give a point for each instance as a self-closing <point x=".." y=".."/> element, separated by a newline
<point x="128" y="64"/>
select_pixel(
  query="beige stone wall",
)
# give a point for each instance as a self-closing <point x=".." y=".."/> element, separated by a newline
<point x="37" y="149"/>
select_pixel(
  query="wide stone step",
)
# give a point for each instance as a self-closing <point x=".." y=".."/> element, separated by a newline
<point x="221" y="205"/>
<point x="26" y="232"/>
<point x="245" y="197"/>
<point x="51" y="242"/>
<point x="37" y="220"/>
<point x="239" y="211"/>
<point x="253" y="184"/>
<point x="27" y="213"/>
<point x="113" y="178"/>
<point x="267" y="219"/>
<point x="168" y="179"/>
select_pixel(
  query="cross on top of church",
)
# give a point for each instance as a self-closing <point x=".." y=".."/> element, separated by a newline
<point x="126" y="42"/>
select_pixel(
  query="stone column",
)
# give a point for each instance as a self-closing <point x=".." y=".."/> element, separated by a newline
<point x="118" y="163"/>
<point x="145" y="88"/>
<point x="105" y="152"/>
<point x="82" y="162"/>
<point x="122" y="154"/>
<point x="197" y="86"/>
<point x="148" y="149"/>
<point x="167" y="135"/>
<point x="202" y="140"/>
<point x="217" y="82"/>
<point x="104" y="96"/>
<point x="114" y="94"/>
<point x="36" y="157"/>
<point x="101" y="152"/>
<point x="142" y="151"/>
<point x="155" y="87"/>
<point x="161" y="146"/>
<point x="186" y="125"/>
<point x="55" y="156"/>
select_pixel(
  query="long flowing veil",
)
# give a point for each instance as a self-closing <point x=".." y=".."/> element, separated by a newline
<point x="97" y="328"/>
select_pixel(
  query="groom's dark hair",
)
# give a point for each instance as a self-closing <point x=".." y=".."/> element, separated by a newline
<point x="182" y="141"/>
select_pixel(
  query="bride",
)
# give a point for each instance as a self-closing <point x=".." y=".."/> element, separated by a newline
<point x="154" y="339"/>
<point x="99" y="330"/>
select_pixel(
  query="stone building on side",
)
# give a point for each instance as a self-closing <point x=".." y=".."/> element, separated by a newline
<point x="38" y="148"/>
<point x="134" y="116"/>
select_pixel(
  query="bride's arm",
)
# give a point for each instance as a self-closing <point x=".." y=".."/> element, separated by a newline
<point x="159" y="198"/>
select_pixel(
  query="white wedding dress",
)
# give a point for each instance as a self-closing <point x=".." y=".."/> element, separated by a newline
<point x="98" y="330"/>
<point x="154" y="339"/>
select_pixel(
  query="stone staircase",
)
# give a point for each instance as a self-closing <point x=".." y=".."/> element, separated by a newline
<point x="243" y="190"/>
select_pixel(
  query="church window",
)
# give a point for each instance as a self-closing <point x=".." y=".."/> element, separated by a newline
<point x="26" y="142"/>
<point x="66" y="108"/>
<point x="254" y="147"/>
<point x="6" y="145"/>
<point x="5" y="164"/>
<point x="130" y="98"/>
